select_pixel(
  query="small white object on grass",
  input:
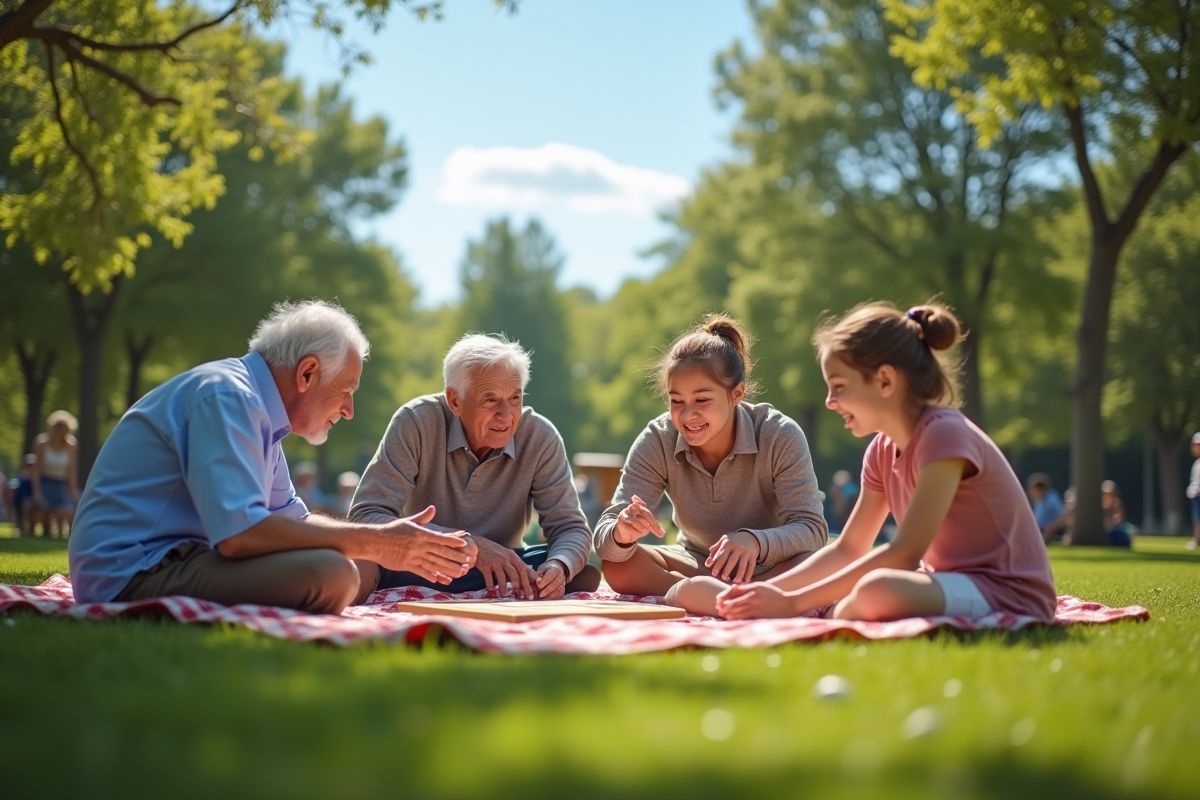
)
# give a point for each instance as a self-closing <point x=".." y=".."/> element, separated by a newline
<point x="953" y="688"/>
<point x="774" y="660"/>
<point x="832" y="687"/>
<point x="717" y="724"/>
<point x="924" y="721"/>
<point x="710" y="663"/>
<point x="1056" y="665"/>
<point x="10" y="622"/>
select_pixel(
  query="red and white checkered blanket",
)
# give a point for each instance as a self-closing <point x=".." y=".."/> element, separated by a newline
<point x="379" y="619"/>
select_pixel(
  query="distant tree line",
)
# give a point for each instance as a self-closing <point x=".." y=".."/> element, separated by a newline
<point x="899" y="152"/>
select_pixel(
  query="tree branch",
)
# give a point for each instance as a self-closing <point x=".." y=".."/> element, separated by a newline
<point x="1091" y="187"/>
<point x="142" y="47"/>
<point x="1163" y="102"/>
<point x="880" y="242"/>
<point x="72" y="52"/>
<point x="97" y="190"/>
<point x="83" y="101"/>
<point x="16" y="24"/>
<point x="1145" y="188"/>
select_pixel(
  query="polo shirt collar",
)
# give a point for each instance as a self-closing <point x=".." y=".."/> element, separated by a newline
<point x="260" y="373"/>
<point x="456" y="439"/>
<point x="743" y="441"/>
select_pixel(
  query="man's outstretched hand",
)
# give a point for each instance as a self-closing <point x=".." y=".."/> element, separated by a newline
<point x="437" y="557"/>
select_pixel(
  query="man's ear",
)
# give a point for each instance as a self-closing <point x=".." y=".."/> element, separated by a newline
<point x="308" y="374"/>
<point x="887" y="380"/>
<point x="454" y="400"/>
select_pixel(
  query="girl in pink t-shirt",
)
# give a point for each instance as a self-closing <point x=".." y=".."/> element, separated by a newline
<point x="968" y="544"/>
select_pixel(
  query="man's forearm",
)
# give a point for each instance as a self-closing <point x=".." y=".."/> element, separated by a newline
<point x="278" y="533"/>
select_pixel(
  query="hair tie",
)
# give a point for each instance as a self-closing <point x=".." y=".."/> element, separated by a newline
<point x="917" y="315"/>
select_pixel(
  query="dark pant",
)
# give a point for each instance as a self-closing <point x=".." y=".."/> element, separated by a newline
<point x="318" y="581"/>
<point x="533" y="556"/>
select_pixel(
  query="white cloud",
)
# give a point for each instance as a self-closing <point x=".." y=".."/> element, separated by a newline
<point x="584" y="180"/>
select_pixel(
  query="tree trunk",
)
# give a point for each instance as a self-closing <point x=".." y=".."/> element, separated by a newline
<point x="1168" y="442"/>
<point x="90" y="317"/>
<point x="137" y="352"/>
<point x="37" y="364"/>
<point x="972" y="387"/>
<point x="1148" y="524"/>
<point x="1087" y="428"/>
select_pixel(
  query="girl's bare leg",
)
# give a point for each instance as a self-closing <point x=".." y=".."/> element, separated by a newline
<point x="698" y="594"/>
<point x="887" y="594"/>
<point x="648" y="572"/>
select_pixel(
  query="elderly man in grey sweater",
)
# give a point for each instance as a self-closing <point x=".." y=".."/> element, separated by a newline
<point x="484" y="462"/>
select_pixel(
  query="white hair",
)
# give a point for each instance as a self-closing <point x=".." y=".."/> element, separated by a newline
<point x="309" y="328"/>
<point x="477" y="351"/>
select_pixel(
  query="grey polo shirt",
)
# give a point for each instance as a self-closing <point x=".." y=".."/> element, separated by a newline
<point x="424" y="460"/>
<point x="766" y="485"/>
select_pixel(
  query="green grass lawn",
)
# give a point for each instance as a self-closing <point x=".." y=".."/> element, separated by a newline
<point x="150" y="708"/>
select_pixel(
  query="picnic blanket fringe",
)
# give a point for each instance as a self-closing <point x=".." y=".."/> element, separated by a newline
<point x="379" y="620"/>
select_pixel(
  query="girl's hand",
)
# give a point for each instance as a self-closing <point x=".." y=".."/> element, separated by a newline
<point x="636" y="521"/>
<point x="755" y="601"/>
<point x="733" y="557"/>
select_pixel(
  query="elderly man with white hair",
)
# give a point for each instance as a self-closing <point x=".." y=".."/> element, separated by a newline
<point x="190" y="494"/>
<point x="485" y="461"/>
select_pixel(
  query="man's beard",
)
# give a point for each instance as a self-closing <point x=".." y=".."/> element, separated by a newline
<point x="317" y="438"/>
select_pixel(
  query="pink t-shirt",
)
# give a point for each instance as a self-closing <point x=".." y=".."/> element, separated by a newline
<point x="989" y="533"/>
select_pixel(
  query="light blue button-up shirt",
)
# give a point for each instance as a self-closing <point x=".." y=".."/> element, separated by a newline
<point x="197" y="459"/>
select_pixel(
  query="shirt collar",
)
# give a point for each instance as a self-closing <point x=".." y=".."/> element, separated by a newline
<point x="260" y="373"/>
<point x="743" y="440"/>
<point x="456" y="439"/>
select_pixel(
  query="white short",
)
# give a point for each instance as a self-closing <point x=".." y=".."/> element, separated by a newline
<point x="963" y="598"/>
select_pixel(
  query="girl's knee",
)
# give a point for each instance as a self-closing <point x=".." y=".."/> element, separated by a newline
<point x="871" y="598"/>
<point x="619" y="574"/>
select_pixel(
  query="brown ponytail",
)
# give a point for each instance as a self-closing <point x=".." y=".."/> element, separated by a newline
<point x="913" y="342"/>
<point x="718" y="346"/>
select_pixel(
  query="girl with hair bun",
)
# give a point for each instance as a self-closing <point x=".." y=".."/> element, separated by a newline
<point x="739" y="476"/>
<point x="968" y="544"/>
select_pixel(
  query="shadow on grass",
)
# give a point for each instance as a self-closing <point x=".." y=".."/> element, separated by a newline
<point x="37" y="546"/>
<point x="1094" y="555"/>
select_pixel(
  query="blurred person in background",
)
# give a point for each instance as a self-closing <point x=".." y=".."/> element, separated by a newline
<point x="487" y="462"/>
<point x="304" y="476"/>
<point x="347" y="482"/>
<point x="191" y="495"/>
<point x="843" y="493"/>
<point x="1046" y="501"/>
<point x="1115" y="523"/>
<point x="55" y="473"/>
<point x="25" y="513"/>
<point x="1193" y="492"/>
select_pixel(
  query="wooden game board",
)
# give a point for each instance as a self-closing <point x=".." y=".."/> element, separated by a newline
<point x="529" y="610"/>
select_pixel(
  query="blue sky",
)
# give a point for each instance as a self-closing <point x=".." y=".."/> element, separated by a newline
<point x="589" y="115"/>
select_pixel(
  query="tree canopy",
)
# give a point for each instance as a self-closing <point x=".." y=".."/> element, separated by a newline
<point x="1126" y="78"/>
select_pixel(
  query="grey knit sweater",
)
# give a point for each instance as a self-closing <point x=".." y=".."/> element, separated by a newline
<point x="424" y="460"/>
<point x="766" y="486"/>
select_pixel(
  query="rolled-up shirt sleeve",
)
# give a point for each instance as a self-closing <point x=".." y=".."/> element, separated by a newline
<point x="644" y="475"/>
<point x="805" y="529"/>
<point x="557" y="505"/>
<point x="225" y="464"/>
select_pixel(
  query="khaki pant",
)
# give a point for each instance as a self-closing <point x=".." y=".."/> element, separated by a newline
<point x="317" y="581"/>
